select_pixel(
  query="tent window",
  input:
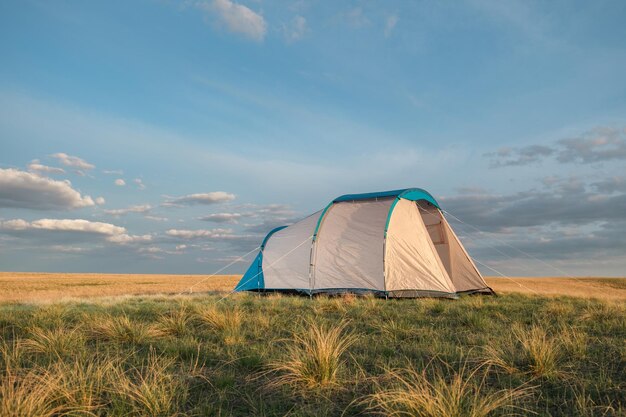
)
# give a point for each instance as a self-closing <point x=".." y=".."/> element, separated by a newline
<point x="436" y="233"/>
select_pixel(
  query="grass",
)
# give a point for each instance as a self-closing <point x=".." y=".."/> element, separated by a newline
<point x="225" y="321"/>
<point x="444" y="392"/>
<point x="313" y="356"/>
<point x="122" y="329"/>
<point x="282" y="355"/>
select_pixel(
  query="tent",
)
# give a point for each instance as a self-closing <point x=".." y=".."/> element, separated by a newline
<point x="392" y="243"/>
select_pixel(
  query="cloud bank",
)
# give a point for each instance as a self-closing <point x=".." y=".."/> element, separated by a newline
<point x="21" y="189"/>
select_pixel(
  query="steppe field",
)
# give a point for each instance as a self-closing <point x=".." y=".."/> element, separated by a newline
<point x="147" y="345"/>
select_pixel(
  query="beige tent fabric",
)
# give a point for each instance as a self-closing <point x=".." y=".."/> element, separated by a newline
<point x="461" y="270"/>
<point x="465" y="275"/>
<point x="411" y="260"/>
<point x="290" y="271"/>
<point x="436" y="230"/>
<point x="348" y="252"/>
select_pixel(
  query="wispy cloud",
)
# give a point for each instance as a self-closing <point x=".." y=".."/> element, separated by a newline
<point x="237" y="18"/>
<point x="144" y="208"/>
<point x="139" y="183"/>
<point x="225" y="217"/>
<point x="390" y="24"/>
<point x="519" y="156"/>
<point x="113" y="172"/>
<point x="21" y="189"/>
<point x="295" y="29"/>
<point x="36" y="166"/>
<point x="602" y="144"/>
<point x="119" y="182"/>
<point x="72" y="161"/>
<point x="200" y="198"/>
<point x="200" y="233"/>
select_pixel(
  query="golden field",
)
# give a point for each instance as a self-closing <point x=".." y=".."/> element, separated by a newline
<point x="49" y="287"/>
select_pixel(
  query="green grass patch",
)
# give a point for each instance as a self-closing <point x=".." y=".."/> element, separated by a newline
<point x="280" y="355"/>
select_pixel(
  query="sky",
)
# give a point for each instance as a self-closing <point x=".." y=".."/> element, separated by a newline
<point x="163" y="136"/>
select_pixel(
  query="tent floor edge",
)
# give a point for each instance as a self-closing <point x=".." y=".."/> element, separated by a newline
<point x="479" y="291"/>
<point x="393" y="294"/>
<point x="408" y="293"/>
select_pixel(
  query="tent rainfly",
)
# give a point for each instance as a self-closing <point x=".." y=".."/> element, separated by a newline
<point x="392" y="243"/>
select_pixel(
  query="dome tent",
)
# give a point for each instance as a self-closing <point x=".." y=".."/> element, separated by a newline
<point x="392" y="243"/>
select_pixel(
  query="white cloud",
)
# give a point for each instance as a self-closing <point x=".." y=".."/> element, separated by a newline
<point x="36" y="166"/>
<point x="21" y="189"/>
<point x="144" y="208"/>
<point x="119" y="182"/>
<point x="200" y="198"/>
<point x="64" y="225"/>
<point x="390" y="24"/>
<point x="237" y="18"/>
<point x="139" y="183"/>
<point x="295" y="30"/>
<point x="100" y="201"/>
<point x="124" y="239"/>
<point x="157" y="218"/>
<point x="110" y="232"/>
<point x="225" y="217"/>
<point x="68" y="249"/>
<point x="200" y="233"/>
<point x="73" y="161"/>
<point x="113" y="172"/>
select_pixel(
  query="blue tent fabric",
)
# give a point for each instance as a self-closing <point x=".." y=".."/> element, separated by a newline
<point x="412" y="194"/>
<point x="253" y="278"/>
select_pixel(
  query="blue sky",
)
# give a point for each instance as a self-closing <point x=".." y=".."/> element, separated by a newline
<point x="222" y="119"/>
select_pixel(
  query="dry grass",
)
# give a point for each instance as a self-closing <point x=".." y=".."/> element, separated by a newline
<point x="151" y="389"/>
<point x="57" y="342"/>
<point x="443" y="392"/>
<point x="122" y="329"/>
<point x="313" y="358"/>
<point x="29" y="394"/>
<point x="542" y="352"/>
<point x="226" y="321"/>
<point x="600" y="288"/>
<point x="176" y="323"/>
<point x="47" y="287"/>
<point x="532" y="350"/>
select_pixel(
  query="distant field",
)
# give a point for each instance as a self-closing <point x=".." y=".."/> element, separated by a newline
<point x="46" y="287"/>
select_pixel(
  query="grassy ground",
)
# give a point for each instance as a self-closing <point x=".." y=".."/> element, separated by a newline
<point x="273" y="355"/>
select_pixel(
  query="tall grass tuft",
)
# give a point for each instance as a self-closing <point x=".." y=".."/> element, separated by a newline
<point x="313" y="359"/>
<point x="175" y="323"/>
<point x="542" y="353"/>
<point x="531" y="350"/>
<point x="122" y="329"/>
<point x="226" y="321"/>
<point x="11" y="353"/>
<point x="82" y="385"/>
<point x="150" y="390"/>
<point x="437" y="392"/>
<point x="29" y="394"/>
<point x="57" y="342"/>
